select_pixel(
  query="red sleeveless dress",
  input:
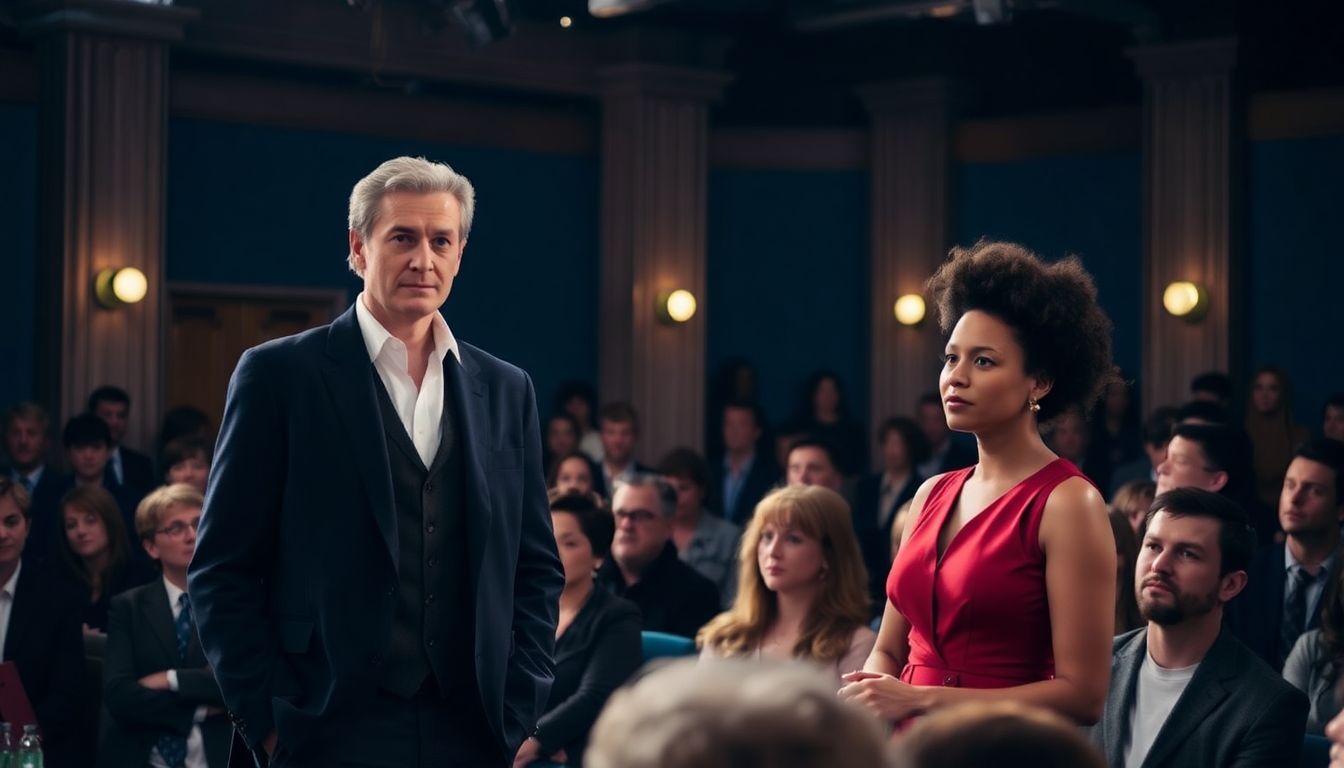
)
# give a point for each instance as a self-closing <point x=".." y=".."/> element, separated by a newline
<point x="978" y="618"/>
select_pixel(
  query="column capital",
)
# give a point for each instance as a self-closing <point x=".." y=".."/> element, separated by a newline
<point x="1188" y="58"/>
<point x="112" y="17"/>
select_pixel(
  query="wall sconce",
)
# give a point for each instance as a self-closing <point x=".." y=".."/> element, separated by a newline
<point x="909" y="309"/>
<point x="113" y="288"/>
<point x="1186" y="300"/>
<point x="675" y="306"/>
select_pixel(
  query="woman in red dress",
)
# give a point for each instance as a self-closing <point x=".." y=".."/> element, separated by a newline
<point x="1004" y="583"/>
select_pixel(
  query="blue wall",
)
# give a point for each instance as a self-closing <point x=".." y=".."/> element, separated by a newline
<point x="264" y="205"/>
<point x="788" y="279"/>
<point x="1296" y="271"/>
<point x="1086" y="205"/>
<point x="18" y="219"/>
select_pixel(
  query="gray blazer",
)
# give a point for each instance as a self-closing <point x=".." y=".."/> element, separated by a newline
<point x="1235" y="712"/>
<point x="1303" y="670"/>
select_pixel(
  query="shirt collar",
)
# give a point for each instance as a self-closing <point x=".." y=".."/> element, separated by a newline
<point x="1290" y="562"/>
<point x="13" y="582"/>
<point x="376" y="337"/>
<point x="174" y="594"/>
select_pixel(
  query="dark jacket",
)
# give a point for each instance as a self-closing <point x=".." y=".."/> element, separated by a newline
<point x="1256" y="614"/>
<point x="1235" y="711"/>
<point x="596" y="655"/>
<point x="672" y="596"/>
<point x="875" y="540"/>
<point x="294" y="579"/>
<point x="763" y="476"/>
<point x="142" y="640"/>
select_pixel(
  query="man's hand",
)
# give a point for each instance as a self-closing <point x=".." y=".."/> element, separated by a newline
<point x="156" y="682"/>
<point x="268" y="744"/>
<point x="529" y="752"/>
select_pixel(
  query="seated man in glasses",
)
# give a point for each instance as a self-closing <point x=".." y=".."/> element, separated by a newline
<point x="164" y="704"/>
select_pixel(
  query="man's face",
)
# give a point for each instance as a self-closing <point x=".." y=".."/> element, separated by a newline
<point x="1186" y="466"/>
<point x="175" y="547"/>
<point x="690" y="496"/>
<point x="88" y="461"/>
<point x="1176" y="578"/>
<point x="809" y="465"/>
<point x="1069" y="437"/>
<point x="192" y="470"/>
<point x="618" y="441"/>
<point x="13" y="531"/>
<point x="1307" y="503"/>
<point x="740" y="431"/>
<point x="26" y="442"/>
<point x="895" y="454"/>
<point x="933" y="423"/>
<point x="641" y="527"/>
<point x="1333" y="424"/>
<point x="411" y="256"/>
<point x="115" y="415"/>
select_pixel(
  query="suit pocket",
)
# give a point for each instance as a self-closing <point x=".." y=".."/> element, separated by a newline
<point x="295" y="636"/>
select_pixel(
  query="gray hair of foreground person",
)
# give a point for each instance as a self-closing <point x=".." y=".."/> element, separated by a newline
<point x="734" y="714"/>
<point x="999" y="733"/>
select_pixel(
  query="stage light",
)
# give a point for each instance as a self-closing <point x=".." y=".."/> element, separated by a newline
<point x="909" y="309"/>
<point x="676" y="306"/>
<point x="1186" y="300"/>
<point x="113" y="288"/>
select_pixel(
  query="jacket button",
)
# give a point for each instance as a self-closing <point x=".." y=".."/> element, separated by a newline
<point x="429" y="528"/>
<point x="376" y="660"/>
<point x="429" y="598"/>
<point x="429" y="487"/>
<point x="431" y="643"/>
<point x="950" y="680"/>
<point x="433" y="561"/>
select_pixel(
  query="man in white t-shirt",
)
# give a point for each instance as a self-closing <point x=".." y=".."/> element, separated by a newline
<point x="1183" y="691"/>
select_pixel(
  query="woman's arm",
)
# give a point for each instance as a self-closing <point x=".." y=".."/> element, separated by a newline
<point x="893" y="636"/>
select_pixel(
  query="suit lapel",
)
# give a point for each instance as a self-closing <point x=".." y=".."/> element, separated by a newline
<point x="158" y="616"/>
<point x="467" y="395"/>
<point x="1120" y="698"/>
<point x="1204" y="693"/>
<point x="348" y="374"/>
<point x="21" y="610"/>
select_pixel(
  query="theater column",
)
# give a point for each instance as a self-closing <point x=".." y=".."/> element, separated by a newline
<point x="102" y="116"/>
<point x="654" y="165"/>
<point x="910" y="166"/>
<point x="1193" y="128"/>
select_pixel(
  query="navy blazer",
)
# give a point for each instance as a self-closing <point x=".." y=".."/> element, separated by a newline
<point x="763" y="476"/>
<point x="296" y="559"/>
<point x="875" y="540"/>
<point x="1256" y="614"/>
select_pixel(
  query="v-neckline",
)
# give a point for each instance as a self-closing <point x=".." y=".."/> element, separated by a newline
<point x="956" y="500"/>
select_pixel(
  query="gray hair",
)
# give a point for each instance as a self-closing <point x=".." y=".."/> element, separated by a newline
<point x="406" y="174"/>
<point x="667" y="495"/>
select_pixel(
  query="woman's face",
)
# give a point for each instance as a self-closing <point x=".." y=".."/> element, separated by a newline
<point x="560" y="437"/>
<point x="576" y="552"/>
<point x="193" y="471"/>
<point x="895" y="456"/>
<point x="826" y="397"/>
<point x="1266" y="393"/>
<point x="984" y="382"/>
<point x="573" y="474"/>
<point x="789" y="559"/>
<point x="85" y="532"/>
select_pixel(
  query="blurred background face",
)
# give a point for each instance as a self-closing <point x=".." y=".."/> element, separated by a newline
<point x="641" y="527"/>
<point x="574" y="474"/>
<point x="740" y="431"/>
<point x="174" y="542"/>
<point x="1333" y="423"/>
<point x="26" y="443"/>
<point x="932" y="423"/>
<point x="789" y="559"/>
<point x="193" y="471"/>
<point x="895" y="454"/>
<point x="1266" y="393"/>
<point x="576" y="552"/>
<point x="809" y="465"/>
<point x="1117" y="400"/>
<point x="560" y="437"/>
<point x="826" y="397"/>
<point x="88" y="461"/>
<point x="1069" y="437"/>
<point x="618" y="441"/>
<point x="13" y="531"/>
<point x="1307" y="503"/>
<point x="690" y="497"/>
<point x="115" y="415"/>
<point x="85" y="532"/>
<point x="578" y="408"/>
<point x="1187" y="467"/>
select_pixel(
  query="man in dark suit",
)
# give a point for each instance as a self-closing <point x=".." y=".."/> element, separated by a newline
<point x="1183" y="690"/>
<point x="1289" y="579"/>
<point x="375" y="579"/>
<point x="877" y="498"/>
<point x="40" y="632"/>
<point x="27" y="440"/>
<point x="162" y="702"/>
<point x="948" y="450"/>
<point x="127" y="468"/>
<point x="741" y="480"/>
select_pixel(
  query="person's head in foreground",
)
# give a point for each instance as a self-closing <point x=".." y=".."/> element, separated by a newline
<point x="995" y="733"/>
<point x="734" y="715"/>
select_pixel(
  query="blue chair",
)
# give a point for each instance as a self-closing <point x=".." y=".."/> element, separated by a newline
<point x="659" y="645"/>
<point x="1315" y="752"/>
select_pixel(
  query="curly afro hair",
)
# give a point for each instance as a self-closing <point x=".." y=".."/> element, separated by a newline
<point x="1052" y="309"/>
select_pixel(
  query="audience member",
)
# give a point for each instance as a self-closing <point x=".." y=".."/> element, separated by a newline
<point x="1203" y="412"/>
<point x="1126" y="556"/>
<point x="1217" y="458"/>
<point x="948" y="451"/>
<point x="1332" y="417"/>
<point x="733" y="381"/>
<point x="1116" y="437"/>
<point x="784" y="440"/>
<point x="125" y="467"/>
<point x="811" y="461"/>
<point x="619" y="425"/>
<point x="39" y="633"/>
<point x="1273" y="432"/>
<point x="878" y="496"/>
<point x="705" y="542"/>
<point x="1288" y="579"/>
<point x="577" y="399"/>
<point x="644" y="568"/>
<point x="734" y="714"/>
<point x="995" y="733"/>
<point x="746" y="473"/>
<point x="1069" y="438"/>
<point x="1212" y="387"/>
<point x="575" y="473"/>
<point x="1313" y="666"/>
<point x="88" y="443"/>
<point x="187" y="460"/>
<point x="1334" y="731"/>
<point x="163" y="705"/>
<point x="1185" y="691"/>
<point x="597" y="644"/>
<point x="823" y="413"/>
<point x="26" y="445"/>
<point x="97" y="551"/>
<point x="562" y="438"/>
<point x="1156" y="434"/>
<point x="1132" y="501"/>
<point x="802" y="587"/>
<point x="182" y="421"/>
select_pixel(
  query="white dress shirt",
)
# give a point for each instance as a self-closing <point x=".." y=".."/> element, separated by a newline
<point x="114" y="461"/>
<point x="7" y="605"/>
<point x="420" y="409"/>
<point x="195" y="744"/>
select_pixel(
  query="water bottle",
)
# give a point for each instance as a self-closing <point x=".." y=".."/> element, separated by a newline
<point x="30" y="749"/>
<point x="7" y="746"/>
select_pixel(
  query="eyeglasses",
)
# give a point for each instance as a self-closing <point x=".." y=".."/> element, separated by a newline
<point x="179" y="528"/>
<point x="638" y="516"/>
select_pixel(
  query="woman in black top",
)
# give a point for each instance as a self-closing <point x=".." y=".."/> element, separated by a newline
<point x="97" y="551"/>
<point x="597" y="643"/>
